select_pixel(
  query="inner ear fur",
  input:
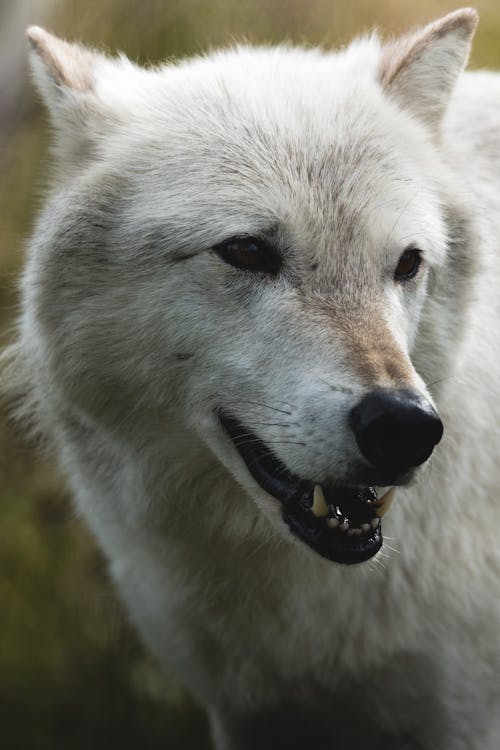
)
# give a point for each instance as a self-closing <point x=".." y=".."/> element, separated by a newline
<point x="83" y="90"/>
<point x="59" y="64"/>
<point x="420" y="70"/>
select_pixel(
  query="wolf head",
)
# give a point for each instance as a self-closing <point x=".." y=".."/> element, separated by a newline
<point x="248" y="251"/>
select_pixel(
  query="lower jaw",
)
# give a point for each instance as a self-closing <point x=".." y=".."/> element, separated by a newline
<point x="334" y="544"/>
<point x="345" y="528"/>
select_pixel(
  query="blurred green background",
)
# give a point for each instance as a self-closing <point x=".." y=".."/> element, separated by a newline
<point x="72" y="673"/>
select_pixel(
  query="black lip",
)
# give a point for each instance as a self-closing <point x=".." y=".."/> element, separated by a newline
<point x="295" y="495"/>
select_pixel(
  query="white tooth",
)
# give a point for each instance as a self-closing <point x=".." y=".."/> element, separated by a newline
<point x="365" y="527"/>
<point x="374" y="522"/>
<point x="344" y="526"/>
<point x="351" y="532"/>
<point x="337" y="510"/>
<point x="319" y="506"/>
<point x="385" y="502"/>
<point x="332" y="522"/>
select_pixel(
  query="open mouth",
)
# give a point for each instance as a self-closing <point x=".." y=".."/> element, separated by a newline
<point x="341" y="523"/>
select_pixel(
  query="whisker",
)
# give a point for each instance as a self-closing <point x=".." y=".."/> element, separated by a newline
<point x="266" y="406"/>
<point x="275" y="442"/>
<point x="265" y="455"/>
<point x="339" y="388"/>
<point x="403" y="210"/>
<point x="392" y="549"/>
<point x="440" y="380"/>
<point x="277" y="424"/>
<point x="248" y="438"/>
<point x="377" y="562"/>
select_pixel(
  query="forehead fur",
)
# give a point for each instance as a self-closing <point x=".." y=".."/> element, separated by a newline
<point x="248" y="101"/>
<point x="251" y="71"/>
<point x="283" y="137"/>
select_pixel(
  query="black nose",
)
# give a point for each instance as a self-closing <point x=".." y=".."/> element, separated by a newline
<point x="396" y="429"/>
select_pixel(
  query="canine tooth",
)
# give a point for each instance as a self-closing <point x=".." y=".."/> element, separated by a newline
<point x="319" y="506"/>
<point x="385" y="502"/>
<point x="374" y="522"/>
<point x="332" y="522"/>
<point x="345" y="525"/>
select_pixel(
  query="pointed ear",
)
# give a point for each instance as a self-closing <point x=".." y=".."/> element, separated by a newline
<point x="65" y="74"/>
<point x="59" y="67"/>
<point x="80" y="87"/>
<point x="419" y="71"/>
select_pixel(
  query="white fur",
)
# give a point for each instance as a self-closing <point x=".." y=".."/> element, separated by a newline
<point x="398" y="653"/>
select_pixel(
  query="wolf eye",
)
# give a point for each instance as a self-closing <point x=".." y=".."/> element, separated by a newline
<point x="408" y="265"/>
<point x="249" y="254"/>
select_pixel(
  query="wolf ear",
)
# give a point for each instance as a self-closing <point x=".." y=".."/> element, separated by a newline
<point x="60" y="69"/>
<point x="420" y="70"/>
<point x="81" y="88"/>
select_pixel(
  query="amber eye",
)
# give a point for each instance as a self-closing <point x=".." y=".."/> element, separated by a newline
<point x="249" y="254"/>
<point x="408" y="265"/>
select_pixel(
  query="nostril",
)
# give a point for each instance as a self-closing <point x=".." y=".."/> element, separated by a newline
<point x="396" y="429"/>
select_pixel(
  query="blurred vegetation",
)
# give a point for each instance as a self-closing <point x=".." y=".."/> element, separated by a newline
<point x="72" y="673"/>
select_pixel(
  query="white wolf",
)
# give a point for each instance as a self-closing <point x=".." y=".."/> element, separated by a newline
<point x="259" y="277"/>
